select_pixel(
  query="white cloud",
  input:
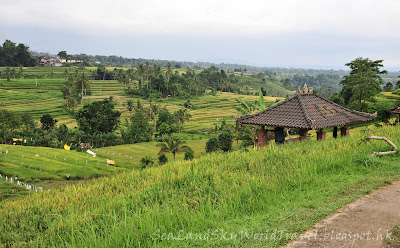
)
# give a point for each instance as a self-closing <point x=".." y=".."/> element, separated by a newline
<point x="188" y="17"/>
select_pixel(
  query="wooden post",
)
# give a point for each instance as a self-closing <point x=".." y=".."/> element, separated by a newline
<point x="303" y="134"/>
<point x="321" y="135"/>
<point x="344" y="131"/>
<point x="335" y="132"/>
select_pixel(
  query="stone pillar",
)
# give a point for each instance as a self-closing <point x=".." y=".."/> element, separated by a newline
<point x="262" y="138"/>
<point x="303" y="134"/>
<point x="344" y="131"/>
<point x="321" y="135"/>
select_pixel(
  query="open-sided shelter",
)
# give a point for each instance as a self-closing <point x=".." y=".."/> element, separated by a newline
<point x="304" y="111"/>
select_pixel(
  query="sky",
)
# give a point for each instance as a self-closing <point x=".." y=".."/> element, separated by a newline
<point x="290" y="33"/>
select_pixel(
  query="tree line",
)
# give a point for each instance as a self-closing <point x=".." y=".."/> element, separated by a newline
<point x="15" y="55"/>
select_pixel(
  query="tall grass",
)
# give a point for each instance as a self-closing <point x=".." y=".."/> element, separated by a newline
<point x="286" y="187"/>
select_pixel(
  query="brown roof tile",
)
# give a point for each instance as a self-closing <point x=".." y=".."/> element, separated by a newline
<point x="395" y="110"/>
<point x="307" y="111"/>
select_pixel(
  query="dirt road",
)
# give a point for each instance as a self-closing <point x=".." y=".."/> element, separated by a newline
<point x="363" y="223"/>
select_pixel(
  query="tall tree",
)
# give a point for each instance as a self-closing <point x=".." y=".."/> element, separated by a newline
<point x="168" y="74"/>
<point x="63" y="54"/>
<point x="363" y="82"/>
<point x="182" y="116"/>
<point x="70" y="93"/>
<point x="98" y="117"/>
<point x="388" y="87"/>
<point x="9" y="121"/>
<point x="48" y="121"/>
<point x="15" y="55"/>
<point x="82" y="84"/>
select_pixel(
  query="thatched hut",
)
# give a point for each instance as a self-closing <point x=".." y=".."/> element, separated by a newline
<point x="304" y="111"/>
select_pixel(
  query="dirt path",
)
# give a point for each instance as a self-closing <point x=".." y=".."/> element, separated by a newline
<point x="363" y="223"/>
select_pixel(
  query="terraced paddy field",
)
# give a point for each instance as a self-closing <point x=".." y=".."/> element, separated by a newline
<point x="42" y="165"/>
<point x="22" y="95"/>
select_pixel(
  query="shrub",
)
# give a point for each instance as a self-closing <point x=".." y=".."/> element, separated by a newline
<point x="189" y="154"/>
<point x="162" y="159"/>
<point x="225" y="141"/>
<point x="146" y="162"/>
<point x="212" y="145"/>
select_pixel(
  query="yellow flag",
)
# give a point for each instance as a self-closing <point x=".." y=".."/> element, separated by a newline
<point x="15" y="139"/>
<point x="110" y="161"/>
<point x="66" y="147"/>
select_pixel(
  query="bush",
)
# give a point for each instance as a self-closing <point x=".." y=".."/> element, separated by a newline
<point x="212" y="145"/>
<point x="188" y="104"/>
<point x="189" y="154"/>
<point x="146" y="162"/>
<point x="162" y="159"/>
<point x="225" y="142"/>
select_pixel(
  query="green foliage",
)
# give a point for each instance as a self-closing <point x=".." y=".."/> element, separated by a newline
<point x="337" y="98"/>
<point x="247" y="107"/>
<point x="363" y="82"/>
<point x="98" y="117"/>
<point x="380" y="104"/>
<point x="189" y="154"/>
<point x="15" y="55"/>
<point x="139" y="129"/>
<point x="130" y="105"/>
<point x="146" y="161"/>
<point x="388" y="87"/>
<point x="9" y="121"/>
<point x="173" y="144"/>
<point x="48" y="121"/>
<point x="212" y="145"/>
<point x="62" y="54"/>
<point x="182" y="116"/>
<point x="225" y="141"/>
<point x="164" y="129"/>
<point x="163" y="159"/>
<point x="396" y="92"/>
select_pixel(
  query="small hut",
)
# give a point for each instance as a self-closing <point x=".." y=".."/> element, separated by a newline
<point x="305" y="111"/>
<point x="395" y="111"/>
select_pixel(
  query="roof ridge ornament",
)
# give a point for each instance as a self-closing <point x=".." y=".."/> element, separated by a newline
<point x="305" y="90"/>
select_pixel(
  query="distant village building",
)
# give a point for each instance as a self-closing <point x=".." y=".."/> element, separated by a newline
<point x="50" y="62"/>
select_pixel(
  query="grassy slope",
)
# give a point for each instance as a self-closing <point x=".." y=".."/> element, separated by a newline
<point x="41" y="165"/>
<point x="286" y="187"/>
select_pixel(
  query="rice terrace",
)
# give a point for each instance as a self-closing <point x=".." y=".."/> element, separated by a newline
<point x="173" y="150"/>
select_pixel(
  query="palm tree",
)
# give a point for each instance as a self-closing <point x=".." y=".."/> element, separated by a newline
<point x="155" y="110"/>
<point x="141" y="71"/>
<point x="168" y="73"/>
<point x="130" y="105"/>
<point x="182" y="115"/>
<point x="148" y="71"/>
<point x="82" y="84"/>
<point x="174" y="145"/>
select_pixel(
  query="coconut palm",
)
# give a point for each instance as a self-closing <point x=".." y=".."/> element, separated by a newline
<point x="182" y="116"/>
<point x="82" y="83"/>
<point x="168" y="74"/>
<point x="174" y="145"/>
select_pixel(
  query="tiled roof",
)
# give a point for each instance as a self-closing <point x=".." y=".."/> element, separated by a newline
<point x="307" y="111"/>
<point x="395" y="110"/>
